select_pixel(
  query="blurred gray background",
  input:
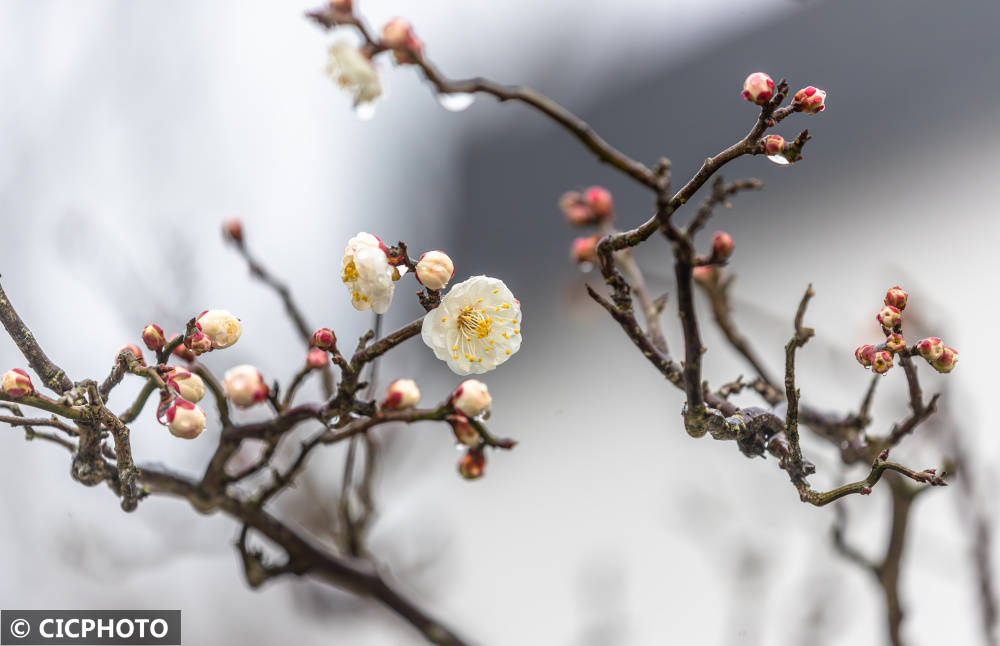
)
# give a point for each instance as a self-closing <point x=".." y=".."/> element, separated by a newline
<point x="130" y="130"/>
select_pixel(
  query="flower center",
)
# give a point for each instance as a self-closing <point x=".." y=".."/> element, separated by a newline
<point x="350" y="272"/>
<point x="473" y="322"/>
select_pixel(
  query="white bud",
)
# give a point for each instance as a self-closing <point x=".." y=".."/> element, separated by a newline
<point x="221" y="327"/>
<point x="244" y="386"/>
<point x="435" y="269"/>
<point x="187" y="384"/>
<point x="402" y="393"/>
<point x="471" y="398"/>
<point x="185" y="420"/>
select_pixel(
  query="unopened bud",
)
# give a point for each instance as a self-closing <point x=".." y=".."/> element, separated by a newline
<point x="401" y="393"/>
<point x="185" y="420"/>
<point x="894" y="342"/>
<point x="584" y="249"/>
<point x="222" y="328"/>
<point x="889" y="316"/>
<point x="16" y="383"/>
<point x="186" y="384"/>
<point x="881" y="361"/>
<point x="464" y="431"/>
<point x="600" y="202"/>
<point x="232" y="230"/>
<point x="471" y="398"/>
<point x="398" y="35"/>
<point x="316" y="359"/>
<point x="134" y="349"/>
<point x="758" y="88"/>
<point x="473" y="464"/>
<point x="578" y="213"/>
<point x="244" y="386"/>
<point x="435" y="269"/>
<point x="809" y="100"/>
<point x="324" y="339"/>
<point x="182" y="350"/>
<point x="198" y="343"/>
<point x="946" y="362"/>
<point x="864" y="355"/>
<point x="722" y="245"/>
<point x="896" y="297"/>
<point x="774" y="145"/>
<point x="152" y="336"/>
<point x="865" y="490"/>
<point x="930" y="348"/>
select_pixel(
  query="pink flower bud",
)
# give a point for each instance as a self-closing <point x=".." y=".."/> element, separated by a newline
<point x="471" y="398"/>
<point x="316" y="359"/>
<point x="402" y="393"/>
<point x="584" y="249"/>
<point x="578" y="213"/>
<point x="464" y="432"/>
<point x="881" y="361"/>
<point x="182" y="350"/>
<point x="185" y="420"/>
<point x="186" y="384"/>
<point x="324" y="339"/>
<point x="896" y="297"/>
<point x="894" y="342"/>
<point x="946" y="362"/>
<point x="889" y="316"/>
<point x="774" y="145"/>
<point x="198" y="343"/>
<point x="435" y="269"/>
<point x="16" y="383"/>
<point x="864" y="355"/>
<point x="758" y="88"/>
<point x="244" y="386"/>
<point x="222" y="328"/>
<point x="152" y="336"/>
<point x="473" y="464"/>
<point x="809" y="100"/>
<point x="398" y="35"/>
<point x="722" y="245"/>
<point x="930" y="348"/>
<point x="134" y="349"/>
<point x="232" y="229"/>
<point x="600" y="202"/>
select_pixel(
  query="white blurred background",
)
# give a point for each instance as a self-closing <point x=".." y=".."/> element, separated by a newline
<point x="131" y="130"/>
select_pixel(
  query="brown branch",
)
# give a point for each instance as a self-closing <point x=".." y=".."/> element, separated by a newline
<point x="799" y="339"/>
<point x="53" y="376"/>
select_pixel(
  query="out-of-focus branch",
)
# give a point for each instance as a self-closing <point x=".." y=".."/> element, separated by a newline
<point x="53" y="376"/>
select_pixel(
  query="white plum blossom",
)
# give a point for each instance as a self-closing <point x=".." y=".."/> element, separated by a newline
<point x="366" y="272"/>
<point x="476" y="327"/>
<point x="354" y="72"/>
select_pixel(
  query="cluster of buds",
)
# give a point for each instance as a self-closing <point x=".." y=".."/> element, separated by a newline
<point x="470" y="401"/>
<point x="880" y="357"/>
<point x="16" y="383"/>
<point x="398" y="35"/>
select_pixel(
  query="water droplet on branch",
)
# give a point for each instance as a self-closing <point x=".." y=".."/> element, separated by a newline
<point x="456" y="102"/>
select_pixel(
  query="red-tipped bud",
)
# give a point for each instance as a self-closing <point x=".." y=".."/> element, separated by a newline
<point x="774" y="145"/>
<point x="471" y="398"/>
<point x="946" y="362"/>
<point x="881" y="361"/>
<point x="758" y="88"/>
<point x="324" y="339"/>
<point x="222" y="328"/>
<point x="402" y="393"/>
<point x="464" y="432"/>
<point x="578" y="213"/>
<point x="473" y="464"/>
<point x="600" y="202"/>
<point x="435" y="269"/>
<point x="134" y="349"/>
<point x="316" y="359"/>
<point x="232" y="230"/>
<point x="152" y="336"/>
<point x="185" y="420"/>
<point x="889" y="316"/>
<point x="722" y="245"/>
<point x="182" y="350"/>
<point x="186" y="384"/>
<point x="398" y="35"/>
<point x="584" y="249"/>
<point x="244" y="386"/>
<point x="809" y="100"/>
<point x="896" y="297"/>
<point x="16" y="383"/>
<point x="198" y="343"/>
<point x="864" y="355"/>
<point x="930" y="348"/>
<point x="894" y="342"/>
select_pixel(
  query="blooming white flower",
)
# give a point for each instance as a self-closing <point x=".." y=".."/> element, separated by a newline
<point x="221" y="327"/>
<point x="244" y="386"/>
<point x="187" y="384"/>
<point x="476" y="327"/>
<point x="367" y="273"/>
<point x="435" y="269"/>
<point x="471" y="398"/>
<point x="354" y="72"/>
